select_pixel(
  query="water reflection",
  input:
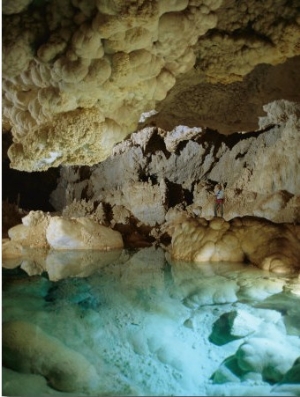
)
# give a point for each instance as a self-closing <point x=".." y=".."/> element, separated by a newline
<point x="138" y="323"/>
<point x="62" y="264"/>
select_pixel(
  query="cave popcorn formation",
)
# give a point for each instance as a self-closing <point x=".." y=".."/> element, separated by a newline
<point x="77" y="75"/>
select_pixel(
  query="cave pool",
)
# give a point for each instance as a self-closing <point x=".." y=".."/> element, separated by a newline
<point x="136" y="323"/>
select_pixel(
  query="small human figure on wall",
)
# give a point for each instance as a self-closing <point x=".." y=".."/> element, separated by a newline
<point x="219" y="200"/>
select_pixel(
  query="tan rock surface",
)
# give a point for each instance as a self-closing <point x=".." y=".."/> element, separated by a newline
<point x="269" y="246"/>
<point x="32" y="231"/>
<point x="81" y="233"/>
<point x="81" y="77"/>
<point x="11" y="253"/>
<point x="77" y="76"/>
<point x="156" y="171"/>
<point x="41" y="231"/>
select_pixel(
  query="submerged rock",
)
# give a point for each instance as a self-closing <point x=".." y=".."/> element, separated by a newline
<point x="233" y="325"/>
<point x="28" y="349"/>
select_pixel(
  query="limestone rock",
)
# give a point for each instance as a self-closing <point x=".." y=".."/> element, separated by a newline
<point x="11" y="253"/>
<point x="67" y="68"/>
<point x="81" y="233"/>
<point x="211" y="292"/>
<point x="154" y="171"/>
<point x="32" y="231"/>
<point x="270" y="246"/>
<point x="268" y="354"/>
<point x="264" y="356"/>
<point x="17" y="383"/>
<point x="27" y="348"/>
<point x="233" y="325"/>
<point x="41" y="231"/>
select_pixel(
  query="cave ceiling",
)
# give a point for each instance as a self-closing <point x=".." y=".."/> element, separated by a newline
<point x="77" y="75"/>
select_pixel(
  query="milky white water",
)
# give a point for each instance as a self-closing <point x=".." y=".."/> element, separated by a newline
<point x="149" y="326"/>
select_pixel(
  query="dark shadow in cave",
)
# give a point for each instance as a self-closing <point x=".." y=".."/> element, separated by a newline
<point x="29" y="190"/>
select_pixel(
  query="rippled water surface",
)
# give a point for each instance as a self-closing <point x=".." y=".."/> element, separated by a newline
<point x="136" y="323"/>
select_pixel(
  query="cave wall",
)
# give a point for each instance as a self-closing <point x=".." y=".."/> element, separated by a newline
<point x="155" y="170"/>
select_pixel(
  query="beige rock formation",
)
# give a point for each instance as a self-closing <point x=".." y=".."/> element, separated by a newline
<point x="31" y="233"/>
<point x="28" y="349"/>
<point x="77" y="76"/>
<point x="42" y="231"/>
<point x="11" y="253"/>
<point x="81" y="233"/>
<point x="270" y="246"/>
<point x="154" y="172"/>
<point x="159" y="101"/>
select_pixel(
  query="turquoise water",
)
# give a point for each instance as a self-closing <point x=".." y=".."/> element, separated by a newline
<point x="137" y="323"/>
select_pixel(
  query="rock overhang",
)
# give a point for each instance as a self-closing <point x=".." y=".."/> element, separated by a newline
<point x="78" y="75"/>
